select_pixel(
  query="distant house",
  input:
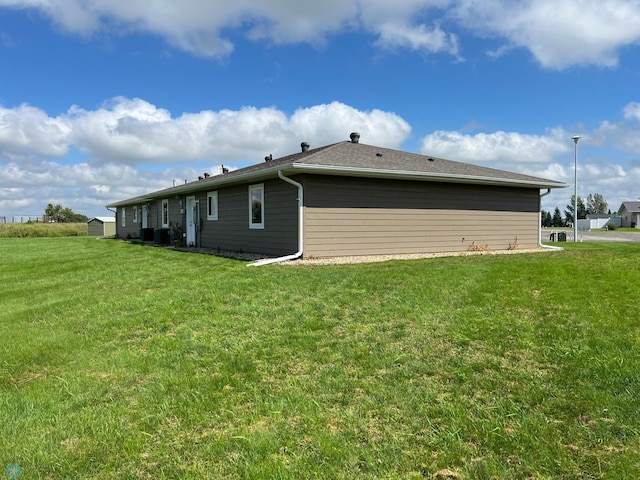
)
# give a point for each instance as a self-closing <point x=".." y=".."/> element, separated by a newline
<point x="101" y="227"/>
<point x="343" y="199"/>
<point x="630" y="214"/>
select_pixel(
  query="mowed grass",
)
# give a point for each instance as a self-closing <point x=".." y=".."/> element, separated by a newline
<point x="124" y="361"/>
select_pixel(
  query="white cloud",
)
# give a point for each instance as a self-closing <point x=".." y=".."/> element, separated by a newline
<point x="420" y="38"/>
<point x="632" y="111"/>
<point x="28" y="130"/>
<point x="623" y="135"/>
<point x="505" y="148"/>
<point x="196" y="26"/>
<point x="134" y="131"/>
<point x="557" y="33"/>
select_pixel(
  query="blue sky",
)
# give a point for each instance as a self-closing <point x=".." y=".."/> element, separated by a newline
<point x="103" y="100"/>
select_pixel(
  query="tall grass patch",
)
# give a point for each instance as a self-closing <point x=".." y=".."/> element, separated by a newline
<point x="121" y="360"/>
<point x="39" y="230"/>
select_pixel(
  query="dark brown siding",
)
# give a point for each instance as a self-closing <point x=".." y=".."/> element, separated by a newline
<point x="231" y="231"/>
<point x="375" y="217"/>
<point x="131" y="228"/>
<point x="338" y="192"/>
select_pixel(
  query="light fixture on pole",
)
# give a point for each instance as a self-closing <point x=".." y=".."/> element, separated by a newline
<point x="575" y="138"/>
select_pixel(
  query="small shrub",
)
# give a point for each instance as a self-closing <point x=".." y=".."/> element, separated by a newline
<point x="610" y="226"/>
<point x="478" y="247"/>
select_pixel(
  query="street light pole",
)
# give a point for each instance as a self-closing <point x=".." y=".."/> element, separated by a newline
<point x="575" y="138"/>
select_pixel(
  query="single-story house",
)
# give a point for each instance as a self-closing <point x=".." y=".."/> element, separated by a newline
<point x="344" y="199"/>
<point x="101" y="227"/>
<point x="630" y="214"/>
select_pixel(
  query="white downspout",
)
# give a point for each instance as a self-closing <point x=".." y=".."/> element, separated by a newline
<point x="293" y="256"/>
<point x="550" y="247"/>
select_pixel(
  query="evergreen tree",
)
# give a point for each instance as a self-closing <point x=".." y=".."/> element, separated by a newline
<point x="557" y="218"/>
<point x="568" y="210"/>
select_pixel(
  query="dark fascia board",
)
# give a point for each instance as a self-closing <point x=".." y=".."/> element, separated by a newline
<point x="293" y="168"/>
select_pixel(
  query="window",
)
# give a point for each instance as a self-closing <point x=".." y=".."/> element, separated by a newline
<point x="165" y="213"/>
<point x="212" y="206"/>
<point x="135" y="214"/>
<point x="256" y="206"/>
<point x="123" y="217"/>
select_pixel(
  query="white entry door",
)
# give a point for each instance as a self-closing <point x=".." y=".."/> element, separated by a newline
<point x="193" y="220"/>
<point x="145" y="217"/>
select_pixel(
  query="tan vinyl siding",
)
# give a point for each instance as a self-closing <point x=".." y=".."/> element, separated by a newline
<point x="344" y="232"/>
<point x="376" y="217"/>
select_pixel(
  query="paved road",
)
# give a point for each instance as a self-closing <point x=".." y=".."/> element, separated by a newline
<point x="597" y="236"/>
<point x="609" y="236"/>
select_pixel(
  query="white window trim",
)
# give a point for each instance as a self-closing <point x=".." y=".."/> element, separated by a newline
<point x="123" y="217"/>
<point x="135" y="214"/>
<point x="212" y="200"/>
<point x="260" y="188"/>
<point x="162" y="208"/>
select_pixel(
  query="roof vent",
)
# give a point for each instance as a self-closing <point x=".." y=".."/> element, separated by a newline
<point x="355" y="137"/>
<point x="378" y="154"/>
<point x="224" y="169"/>
<point x="200" y="178"/>
<point x="430" y="159"/>
<point x="268" y="158"/>
<point x="206" y="175"/>
<point x="304" y="146"/>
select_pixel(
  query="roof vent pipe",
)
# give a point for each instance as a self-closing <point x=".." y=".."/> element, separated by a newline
<point x="268" y="158"/>
<point x="355" y="137"/>
<point x="304" y="146"/>
<point x="206" y="175"/>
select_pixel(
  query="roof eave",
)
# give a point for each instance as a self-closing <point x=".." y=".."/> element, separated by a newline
<point x="217" y="181"/>
<point x="271" y="172"/>
<point x="423" y="176"/>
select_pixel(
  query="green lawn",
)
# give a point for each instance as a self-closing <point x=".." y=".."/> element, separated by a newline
<point x="124" y="361"/>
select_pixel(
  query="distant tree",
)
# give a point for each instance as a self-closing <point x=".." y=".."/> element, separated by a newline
<point x="53" y="212"/>
<point x="568" y="210"/>
<point x="60" y="214"/>
<point x="545" y="219"/>
<point x="596" y="204"/>
<point x="78" y="218"/>
<point x="556" y="221"/>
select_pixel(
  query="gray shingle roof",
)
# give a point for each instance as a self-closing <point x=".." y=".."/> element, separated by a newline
<point x="632" y="207"/>
<point x="358" y="159"/>
<point x="358" y="156"/>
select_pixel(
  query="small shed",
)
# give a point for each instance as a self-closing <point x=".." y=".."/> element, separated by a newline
<point x="101" y="227"/>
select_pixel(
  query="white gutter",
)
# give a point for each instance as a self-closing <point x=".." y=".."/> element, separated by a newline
<point x="550" y="247"/>
<point x="268" y="261"/>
